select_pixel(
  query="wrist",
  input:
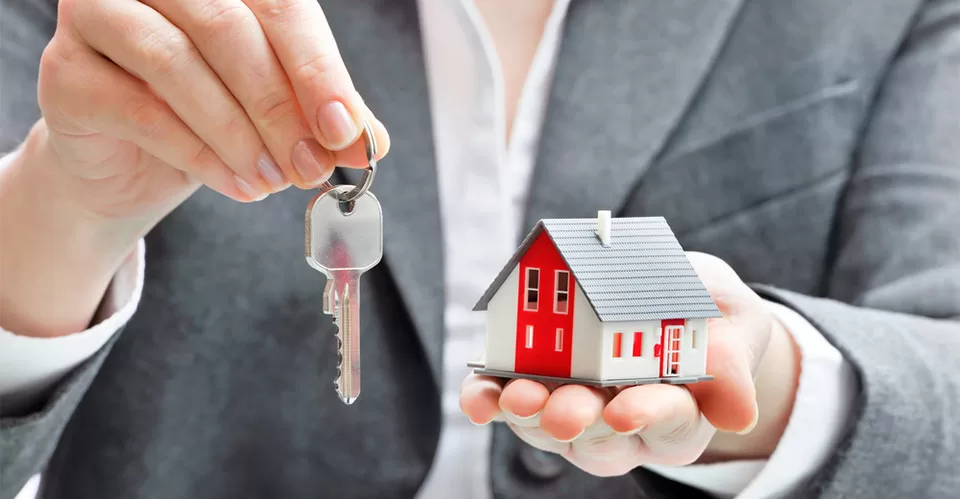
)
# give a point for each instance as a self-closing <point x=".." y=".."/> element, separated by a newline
<point x="776" y="381"/>
<point x="56" y="257"/>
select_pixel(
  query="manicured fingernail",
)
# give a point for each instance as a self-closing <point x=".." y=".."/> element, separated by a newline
<point x="307" y="164"/>
<point x="753" y="424"/>
<point x="572" y="439"/>
<point x="633" y="431"/>
<point x="496" y="417"/>
<point x="524" y="421"/>
<point x="247" y="189"/>
<point x="336" y="125"/>
<point x="271" y="172"/>
<point x="524" y="418"/>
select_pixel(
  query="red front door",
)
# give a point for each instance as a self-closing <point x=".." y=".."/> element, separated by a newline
<point x="671" y="338"/>
<point x="544" y="312"/>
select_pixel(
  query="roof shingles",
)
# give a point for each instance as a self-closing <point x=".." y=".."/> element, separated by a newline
<point x="643" y="275"/>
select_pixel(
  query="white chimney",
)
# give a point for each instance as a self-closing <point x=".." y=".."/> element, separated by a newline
<point x="603" y="227"/>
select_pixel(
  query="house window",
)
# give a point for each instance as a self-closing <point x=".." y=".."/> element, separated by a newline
<point x="562" y="294"/>
<point x="529" y="338"/>
<point x="617" y="345"/>
<point x="559" y="345"/>
<point x="637" y="344"/>
<point x="532" y="289"/>
<point x="693" y="339"/>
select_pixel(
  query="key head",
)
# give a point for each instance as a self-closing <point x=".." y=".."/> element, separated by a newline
<point x="341" y="239"/>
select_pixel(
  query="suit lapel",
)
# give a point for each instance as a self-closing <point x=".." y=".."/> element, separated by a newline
<point x="381" y="46"/>
<point x="626" y="73"/>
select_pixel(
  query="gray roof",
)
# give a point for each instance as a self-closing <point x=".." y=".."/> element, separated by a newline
<point x="643" y="275"/>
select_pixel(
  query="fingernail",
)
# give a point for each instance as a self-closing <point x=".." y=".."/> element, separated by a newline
<point x="523" y="418"/>
<point x="572" y="439"/>
<point x="247" y="189"/>
<point x="336" y="125"/>
<point x="270" y="171"/>
<point x="524" y="421"/>
<point x="494" y="418"/>
<point x="633" y="431"/>
<point x="753" y="424"/>
<point x="305" y="161"/>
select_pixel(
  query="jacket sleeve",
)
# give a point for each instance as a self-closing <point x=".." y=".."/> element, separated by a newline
<point x="29" y="435"/>
<point x="25" y="30"/>
<point x="891" y="300"/>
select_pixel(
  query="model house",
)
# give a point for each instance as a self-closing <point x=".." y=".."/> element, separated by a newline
<point x="598" y="301"/>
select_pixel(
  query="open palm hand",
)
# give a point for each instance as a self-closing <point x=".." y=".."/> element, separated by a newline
<point x="610" y="431"/>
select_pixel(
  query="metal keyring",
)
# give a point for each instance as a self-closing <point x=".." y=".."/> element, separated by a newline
<point x="370" y="143"/>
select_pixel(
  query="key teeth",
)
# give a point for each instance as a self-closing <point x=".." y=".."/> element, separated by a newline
<point x="336" y="307"/>
<point x="338" y="381"/>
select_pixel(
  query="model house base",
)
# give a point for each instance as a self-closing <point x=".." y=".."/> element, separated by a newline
<point x="686" y="380"/>
<point x="599" y="302"/>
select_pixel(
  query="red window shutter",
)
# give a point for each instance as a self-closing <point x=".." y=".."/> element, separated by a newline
<point x="617" y="344"/>
<point x="637" y="344"/>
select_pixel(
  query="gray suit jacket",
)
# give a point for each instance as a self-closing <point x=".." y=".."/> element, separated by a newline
<point x="813" y="145"/>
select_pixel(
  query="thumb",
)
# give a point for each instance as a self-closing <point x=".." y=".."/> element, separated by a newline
<point x="729" y="401"/>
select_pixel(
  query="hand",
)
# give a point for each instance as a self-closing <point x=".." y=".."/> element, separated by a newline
<point x="142" y="101"/>
<point x="611" y="431"/>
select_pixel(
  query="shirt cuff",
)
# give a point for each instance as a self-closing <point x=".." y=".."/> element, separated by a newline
<point x="30" y="367"/>
<point x="825" y="394"/>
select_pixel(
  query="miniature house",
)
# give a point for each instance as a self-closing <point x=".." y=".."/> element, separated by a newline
<point x="598" y="301"/>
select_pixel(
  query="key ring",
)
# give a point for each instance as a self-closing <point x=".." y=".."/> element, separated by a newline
<point x="370" y="145"/>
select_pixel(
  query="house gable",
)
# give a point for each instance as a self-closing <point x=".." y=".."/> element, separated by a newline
<point x="511" y="264"/>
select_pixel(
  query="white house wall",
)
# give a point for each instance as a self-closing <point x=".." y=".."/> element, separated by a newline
<point x="692" y="350"/>
<point x="502" y="324"/>
<point x="585" y="361"/>
<point x="628" y="366"/>
<point x="694" y="357"/>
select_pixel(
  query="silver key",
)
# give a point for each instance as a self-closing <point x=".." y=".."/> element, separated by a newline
<point x="344" y="240"/>
<point x="343" y="246"/>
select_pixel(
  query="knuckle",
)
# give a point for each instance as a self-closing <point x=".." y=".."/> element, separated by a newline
<point x="275" y="105"/>
<point x="234" y="132"/>
<point x="58" y="79"/>
<point x="167" y="51"/>
<point x="220" y="18"/>
<point x="48" y="78"/>
<point x="202" y="161"/>
<point x="66" y="10"/>
<point x="144" y="117"/>
<point x="319" y="68"/>
<point x="272" y="9"/>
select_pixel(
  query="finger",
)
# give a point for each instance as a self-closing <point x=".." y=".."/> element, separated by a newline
<point x="356" y="154"/>
<point x="666" y="417"/>
<point x="304" y="44"/>
<point x="220" y="29"/>
<point x="729" y="401"/>
<point x="144" y="43"/>
<point x="602" y="452"/>
<point x="479" y="398"/>
<point x="522" y="400"/>
<point x="571" y="409"/>
<point x="650" y="408"/>
<point x="537" y="438"/>
<point x="78" y="84"/>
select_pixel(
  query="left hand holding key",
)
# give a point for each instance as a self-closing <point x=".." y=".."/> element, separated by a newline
<point x="608" y="432"/>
